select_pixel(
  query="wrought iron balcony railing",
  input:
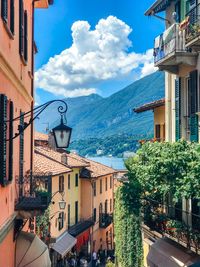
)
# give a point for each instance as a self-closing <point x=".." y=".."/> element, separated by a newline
<point x="105" y="220"/>
<point x="180" y="225"/>
<point x="169" y="42"/>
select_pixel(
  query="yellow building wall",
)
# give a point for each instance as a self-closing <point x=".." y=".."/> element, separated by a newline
<point x="70" y="196"/>
<point x="159" y="118"/>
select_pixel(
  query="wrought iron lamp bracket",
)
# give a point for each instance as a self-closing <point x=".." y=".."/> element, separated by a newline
<point x="34" y="114"/>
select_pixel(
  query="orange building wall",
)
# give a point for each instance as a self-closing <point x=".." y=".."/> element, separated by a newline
<point x="15" y="83"/>
<point x="89" y="203"/>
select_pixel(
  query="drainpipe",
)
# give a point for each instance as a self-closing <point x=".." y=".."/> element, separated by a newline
<point x="32" y="94"/>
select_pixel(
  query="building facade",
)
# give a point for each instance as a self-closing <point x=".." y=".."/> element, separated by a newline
<point x="176" y="51"/>
<point x="158" y="108"/>
<point x="98" y="181"/>
<point x="16" y="96"/>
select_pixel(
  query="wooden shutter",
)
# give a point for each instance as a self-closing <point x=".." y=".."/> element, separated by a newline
<point x="3" y="137"/>
<point x="21" y="27"/>
<point x="193" y="106"/>
<point x="4" y="10"/>
<point x="12" y="16"/>
<point x="178" y="108"/>
<point x="25" y="36"/>
<point x="157" y="132"/>
<point x="10" y="169"/>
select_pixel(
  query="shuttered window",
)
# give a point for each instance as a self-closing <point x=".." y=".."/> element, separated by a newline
<point x="61" y="184"/>
<point x="193" y="106"/>
<point x="61" y="221"/>
<point x="178" y="108"/>
<point x="25" y="36"/>
<point x="157" y="132"/>
<point x="4" y="10"/>
<point x="3" y="143"/>
<point x="10" y="168"/>
<point x="94" y="214"/>
<point x="12" y="16"/>
<point x="21" y="27"/>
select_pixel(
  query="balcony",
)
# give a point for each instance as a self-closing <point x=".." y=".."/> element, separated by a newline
<point x="192" y="28"/>
<point x="105" y="220"/>
<point x="170" y="51"/>
<point x="176" y="224"/>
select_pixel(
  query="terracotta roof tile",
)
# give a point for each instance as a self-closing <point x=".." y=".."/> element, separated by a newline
<point x="150" y="105"/>
<point x="46" y="165"/>
<point x="98" y="169"/>
<point x="73" y="160"/>
<point x="41" y="136"/>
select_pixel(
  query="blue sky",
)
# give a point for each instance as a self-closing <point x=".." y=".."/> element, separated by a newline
<point x="101" y="60"/>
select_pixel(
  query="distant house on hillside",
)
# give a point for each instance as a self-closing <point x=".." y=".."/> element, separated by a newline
<point x="158" y="108"/>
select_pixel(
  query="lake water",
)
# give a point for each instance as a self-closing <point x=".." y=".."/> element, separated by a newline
<point x="115" y="163"/>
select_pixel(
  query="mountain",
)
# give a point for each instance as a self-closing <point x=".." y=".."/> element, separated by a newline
<point x="94" y="116"/>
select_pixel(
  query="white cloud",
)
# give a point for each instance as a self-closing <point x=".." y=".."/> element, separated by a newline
<point x="95" y="55"/>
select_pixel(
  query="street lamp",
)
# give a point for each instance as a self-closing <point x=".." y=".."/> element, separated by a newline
<point x="62" y="133"/>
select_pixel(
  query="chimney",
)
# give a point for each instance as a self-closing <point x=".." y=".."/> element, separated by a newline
<point x="51" y="141"/>
<point x="64" y="158"/>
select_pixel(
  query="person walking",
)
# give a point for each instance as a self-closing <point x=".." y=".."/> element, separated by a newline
<point x="94" y="259"/>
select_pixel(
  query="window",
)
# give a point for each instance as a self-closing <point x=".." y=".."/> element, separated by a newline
<point x="110" y="182"/>
<point x="23" y="32"/>
<point x="110" y="205"/>
<point x="76" y="212"/>
<point x="6" y="150"/>
<point x="7" y="14"/>
<point x="95" y="214"/>
<point x="94" y="189"/>
<point x="69" y="181"/>
<point x="68" y="215"/>
<point x="61" y="184"/>
<point x="106" y="206"/>
<point x="61" y="221"/>
<point x="76" y="180"/>
<point x="106" y="184"/>
<point x="101" y="186"/>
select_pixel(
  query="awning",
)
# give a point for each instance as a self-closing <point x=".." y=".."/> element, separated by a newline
<point x="64" y="244"/>
<point x="166" y="253"/>
<point x="158" y="6"/>
<point x="31" y="251"/>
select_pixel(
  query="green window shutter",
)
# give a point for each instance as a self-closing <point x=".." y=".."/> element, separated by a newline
<point x="3" y="137"/>
<point x="10" y="169"/>
<point x="177" y="109"/>
<point x="178" y="11"/>
<point x="4" y="10"/>
<point x="193" y="106"/>
<point x="12" y="16"/>
<point x="21" y="27"/>
<point x="194" y="128"/>
<point x="25" y="36"/>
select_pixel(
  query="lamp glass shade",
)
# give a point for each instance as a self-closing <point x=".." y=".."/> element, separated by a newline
<point x="62" y="135"/>
<point x="62" y="204"/>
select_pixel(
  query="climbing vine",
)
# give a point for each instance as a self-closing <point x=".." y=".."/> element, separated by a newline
<point x="158" y="170"/>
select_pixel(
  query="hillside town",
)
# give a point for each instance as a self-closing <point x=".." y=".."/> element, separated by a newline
<point x="114" y="178"/>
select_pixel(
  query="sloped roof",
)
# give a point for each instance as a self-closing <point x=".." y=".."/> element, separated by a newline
<point x="44" y="164"/>
<point x="150" y="105"/>
<point x="97" y="169"/>
<point x="73" y="160"/>
<point x="41" y="136"/>
<point x="158" y="6"/>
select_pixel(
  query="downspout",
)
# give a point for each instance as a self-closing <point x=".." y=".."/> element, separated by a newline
<point x="32" y="94"/>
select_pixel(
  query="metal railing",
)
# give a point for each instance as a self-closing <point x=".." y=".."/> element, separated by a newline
<point x="105" y="219"/>
<point x="170" y="41"/>
<point x="193" y="23"/>
<point x="180" y="225"/>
